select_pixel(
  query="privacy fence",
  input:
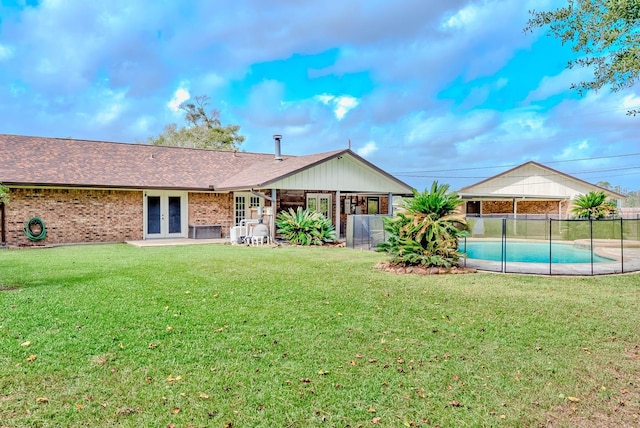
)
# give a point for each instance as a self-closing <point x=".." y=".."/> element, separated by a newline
<point x="530" y="244"/>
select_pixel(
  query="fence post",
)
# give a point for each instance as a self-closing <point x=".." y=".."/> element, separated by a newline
<point x="550" y="243"/>
<point x="465" y="251"/>
<point x="503" y="256"/>
<point x="621" y="245"/>
<point x="591" y="236"/>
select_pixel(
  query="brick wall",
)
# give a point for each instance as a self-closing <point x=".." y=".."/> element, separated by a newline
<point x="212" y="208"/>
<point x="75" y="215"/>
<point x="497" y="207"/>
<point x="538" y="207"/>
<point x="523" y="207"/>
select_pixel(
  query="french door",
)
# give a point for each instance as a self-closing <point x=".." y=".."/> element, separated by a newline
<point x="165" y="214"/>
<point x="246" y="206"/>
<point x="320" y="202"/>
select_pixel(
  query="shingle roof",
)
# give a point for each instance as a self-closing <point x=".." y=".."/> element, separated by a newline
<point x="43" y="161"/>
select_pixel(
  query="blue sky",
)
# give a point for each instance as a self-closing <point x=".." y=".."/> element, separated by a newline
<point x="452" y="91"/>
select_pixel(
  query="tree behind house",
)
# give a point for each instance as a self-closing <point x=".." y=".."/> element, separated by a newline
<point x="203" y="130"/>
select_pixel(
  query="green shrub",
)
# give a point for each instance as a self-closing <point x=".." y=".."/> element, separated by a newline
<point x="427" y="233"/>
<point x="304" y="227"/>
<point x="423" y="239"/>
<point x="4" y="194"/>
<point x="594" y="205"/>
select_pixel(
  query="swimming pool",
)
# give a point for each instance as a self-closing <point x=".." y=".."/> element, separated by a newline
<point x="529" y="252"/>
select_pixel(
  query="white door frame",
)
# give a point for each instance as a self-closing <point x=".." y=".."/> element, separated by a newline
<point x="317" y="198"/>
<point x="250" y="202"/>
<point x="164" y="196"/>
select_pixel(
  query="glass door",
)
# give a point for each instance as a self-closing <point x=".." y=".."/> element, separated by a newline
<point x="154" y="218"/>
<point x="165" y="214"/>
<point x="320" y="202"/>
<point x="246" y="206"/>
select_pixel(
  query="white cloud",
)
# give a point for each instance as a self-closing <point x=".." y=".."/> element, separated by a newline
<point x="576" y="150"/>
<point x="111" y="108"/>
<point x="179" y="96"/>
<point x="367" y="149"/>
<point x="212" y="81"/>
<point x="631" y="101"/>
<point x="296" y="131"/>
<point x="6" y="52"/>
<point x="463" y="18"/>
<point x="325" y="98"/>
<point x="142" y="125"/>
<point x="558" y="84"/>
<point x="341" y="104"/>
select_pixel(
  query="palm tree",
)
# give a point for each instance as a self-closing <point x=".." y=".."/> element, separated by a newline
<point x="594" y="205"/>
<point x="427" y="232"/>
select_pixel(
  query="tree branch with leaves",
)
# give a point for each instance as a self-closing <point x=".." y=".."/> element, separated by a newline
<point x="607" y="32"/>
<point x="204" y="130"/>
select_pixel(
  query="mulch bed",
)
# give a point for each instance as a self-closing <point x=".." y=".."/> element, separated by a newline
<point x="422" y="270"/>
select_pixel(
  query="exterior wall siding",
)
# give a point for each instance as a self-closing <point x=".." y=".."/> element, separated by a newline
<point x="75" y="215"/>
<point x="345" y="173"/>
<point x="212" y="208"/>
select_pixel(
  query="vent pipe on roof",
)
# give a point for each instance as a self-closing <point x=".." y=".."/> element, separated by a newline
<point x="276" y="139"/>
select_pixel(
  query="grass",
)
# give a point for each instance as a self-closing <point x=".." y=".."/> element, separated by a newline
<point x="228" y="336"/>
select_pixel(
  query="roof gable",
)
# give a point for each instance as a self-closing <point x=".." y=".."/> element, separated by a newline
<point x="345" y="171"/>
<point x="534" y="180"/>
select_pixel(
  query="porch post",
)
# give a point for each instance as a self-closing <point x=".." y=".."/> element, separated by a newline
<point x="337" y="214"/>
<point x="274" y="209"/>
<point x="390" y="204"/>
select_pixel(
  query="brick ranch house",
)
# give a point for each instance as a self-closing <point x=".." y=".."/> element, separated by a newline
<point x="528" y="189"/>
<point x="93" y="191"/>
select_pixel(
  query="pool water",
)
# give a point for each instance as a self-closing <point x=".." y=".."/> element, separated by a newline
<point x="529" y="252"/>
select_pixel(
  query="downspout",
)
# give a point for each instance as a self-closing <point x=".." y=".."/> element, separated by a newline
<point x="2" y="222"/>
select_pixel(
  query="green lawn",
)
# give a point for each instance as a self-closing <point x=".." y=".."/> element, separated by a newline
<point x="221" y="336"/>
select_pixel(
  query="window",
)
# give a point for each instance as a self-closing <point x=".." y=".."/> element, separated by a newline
<point x="320" y="202"/>
<point x="240" y="209"/>
<point x="246" y="206"/>
<point x="373" y="205"/>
